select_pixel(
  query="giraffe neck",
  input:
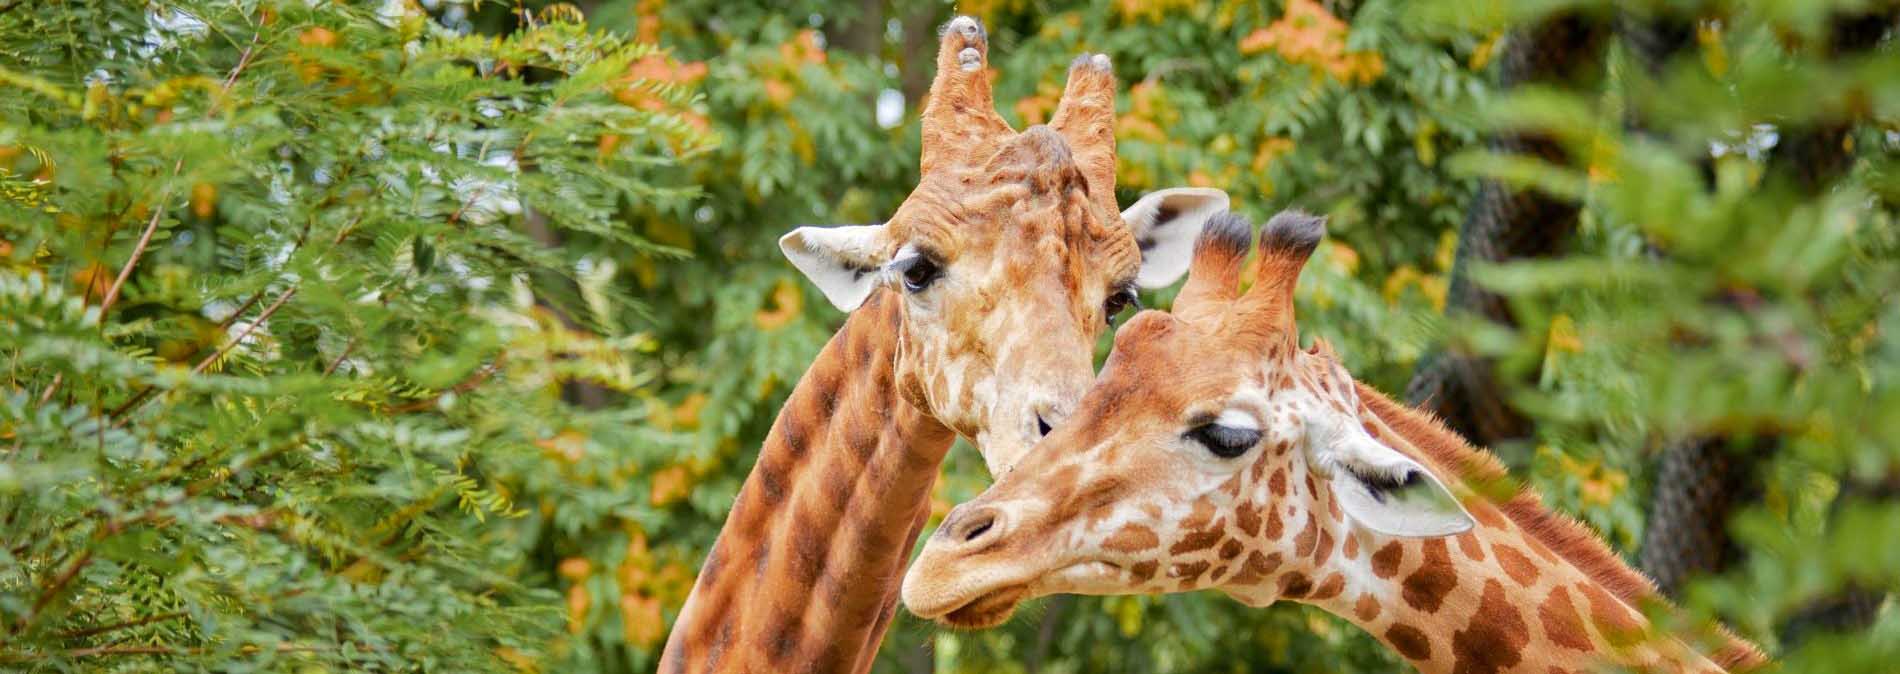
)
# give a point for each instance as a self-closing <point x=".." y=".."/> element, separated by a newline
<point x="1495" y="599"/>
<point x="805" y="572"/>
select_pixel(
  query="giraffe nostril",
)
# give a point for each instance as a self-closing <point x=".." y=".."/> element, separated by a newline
<point x="973" y="526"/>
<point x="1042" y="426"/>
<point x="980" y="529"/>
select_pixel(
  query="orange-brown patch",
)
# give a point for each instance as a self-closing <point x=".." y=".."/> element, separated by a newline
<point x="1303" y="541"/>
<point x="1352" y="545"/>
<point x="1385" y="562"/>
<point x="1248" y="518"/>
<point x="1366" y="609"/>
<point x="1615" y="621"/>
<point x="1494" y="640"/>
<point x="1198" y="540"/>
<point x="1468" y="544"/>
<point x="1132" y="538"/>
<point x="1142" y="571"/>
<point x="1230" y="549"/>
<point x="1199" y="519"/>
<point x="1324" y="550"/>
<point x="1256" y="568"/>
<point x="1187" y="571"/>
<point x="1329" y="588"/>
<point x="1295" y="585"/>
<point x="1277" y="483"/>
<point x="1274" y="527"/>
<point x="1561" y="623"/>
<point x="1410" y="642"/>
<point x="1426" y="588"/>
<point x="1514" y="563"/>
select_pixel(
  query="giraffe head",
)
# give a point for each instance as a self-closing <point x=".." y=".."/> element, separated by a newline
<point x="1010" y="256"/>
<point x="1211" y="453"/>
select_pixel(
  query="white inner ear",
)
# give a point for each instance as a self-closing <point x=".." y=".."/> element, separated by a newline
<point x="1381" y="489"/>
<point x="842" y="261"/>
<point x="1165" y="224"/>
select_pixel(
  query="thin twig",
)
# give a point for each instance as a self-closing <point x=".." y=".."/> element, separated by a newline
<point x="351" y="345"/>
<point x="141" y="622"/>
<point x="464" y="386"/>
<point x="272" y="309"/>
<point x="145" y="238"/>
<point x="50" y="388"/>
<point x="59" y="585"/>
<point x="118" y="415"/>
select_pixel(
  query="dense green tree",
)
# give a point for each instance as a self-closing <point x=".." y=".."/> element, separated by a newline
<point x="281" y="333"/>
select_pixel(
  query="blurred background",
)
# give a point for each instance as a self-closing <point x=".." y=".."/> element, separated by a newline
<point x="439" y="335"/>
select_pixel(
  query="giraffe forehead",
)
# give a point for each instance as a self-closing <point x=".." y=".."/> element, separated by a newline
<point x="974" y="211"/>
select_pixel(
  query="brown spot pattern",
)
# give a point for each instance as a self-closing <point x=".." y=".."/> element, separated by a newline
<point x="1352" y="546"/>
<point x="1494" y="641"/>
<point x="1142" y="571"/>
<point x="1426" y="588"/>
<point x="1230" y="549"/>
<point x="1561" y="623"/>
<point x="1324" y="550"/>
<point x="1274" y="527"/>
<point x="1132" y="538"/>
<point x="1409" y="642"/>
<point x="1303" y="541"/>
<point x="1256" y="568"/>
<point x="1366" y="609"/>
<point x="1198" y="540"/>
<point x="1468" y="544"/>
<point x="1187" y="572"/>
<point x="1519" y="567"/>
<point x="1614" y="621"/>
<point x="1385" y="562"/>
<point x="1295" y="585"/>
<point x="1329" y="588"/>
<point x="1247" y="517"/>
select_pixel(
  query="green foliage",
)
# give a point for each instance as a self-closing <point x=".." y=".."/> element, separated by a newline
<point x="296" y="434"/>
<point x="1727" y="283"/>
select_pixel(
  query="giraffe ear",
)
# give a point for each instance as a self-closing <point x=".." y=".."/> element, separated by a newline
<point x="842" y="261"/>
<point x="1386" y="491"/>
<point x="1165" y="224"/>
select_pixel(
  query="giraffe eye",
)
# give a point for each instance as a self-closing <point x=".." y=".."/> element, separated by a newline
<point x="1225" y="441"/>
<point x="1118" y="301"/>
<point x="919" y="272"/>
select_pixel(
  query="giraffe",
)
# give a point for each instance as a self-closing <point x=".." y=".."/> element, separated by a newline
<point x="974" y="311"/>
<point x="1214" y="453"/>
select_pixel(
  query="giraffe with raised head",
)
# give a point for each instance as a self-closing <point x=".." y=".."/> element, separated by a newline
<point x="975" y="311"/>
<point x="1214" y="453"/>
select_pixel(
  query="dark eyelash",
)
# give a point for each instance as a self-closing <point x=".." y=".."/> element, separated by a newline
<point x="1225" y="441"/>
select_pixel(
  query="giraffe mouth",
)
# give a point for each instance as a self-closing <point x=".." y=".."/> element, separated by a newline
<point x="996" y="606"/>
<point x="988" y="610"/>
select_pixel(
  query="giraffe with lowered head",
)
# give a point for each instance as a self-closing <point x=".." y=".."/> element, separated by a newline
<point x="1214" y="453"/>
<point x="975" y="311"/>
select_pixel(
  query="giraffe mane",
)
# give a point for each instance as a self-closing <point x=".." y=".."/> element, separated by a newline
<point x="1570" y="539"/>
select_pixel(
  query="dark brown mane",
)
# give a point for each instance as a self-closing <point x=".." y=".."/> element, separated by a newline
<point x="1568" y="538"/>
